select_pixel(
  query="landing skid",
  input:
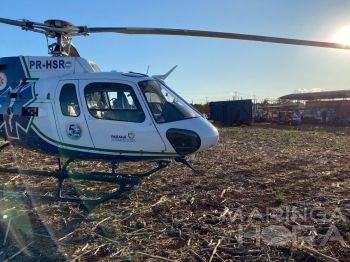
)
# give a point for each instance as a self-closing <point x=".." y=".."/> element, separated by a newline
<point x="126" y="182"/>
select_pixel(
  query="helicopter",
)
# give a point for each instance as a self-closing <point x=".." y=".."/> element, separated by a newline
<point x="63" y="105"/>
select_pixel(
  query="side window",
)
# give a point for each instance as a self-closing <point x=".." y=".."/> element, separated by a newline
<point x="113" y="101"/>
<point x="69" y="101"/>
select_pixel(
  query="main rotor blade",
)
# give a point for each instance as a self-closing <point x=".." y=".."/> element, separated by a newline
<point x="183" y="32"/>
<point x="22" y="23"/>
<point x="12" y="22"/>
<point x="71" y="30"/>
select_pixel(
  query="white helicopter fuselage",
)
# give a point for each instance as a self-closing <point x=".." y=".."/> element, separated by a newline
<point x="66" y="106"/>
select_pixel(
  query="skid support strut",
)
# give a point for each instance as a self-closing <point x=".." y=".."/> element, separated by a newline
<point x="126" y="182"/>
<point x="6" y="144"/>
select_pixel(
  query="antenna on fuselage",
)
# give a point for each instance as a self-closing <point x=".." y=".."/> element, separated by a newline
<point x="166" y="75"/>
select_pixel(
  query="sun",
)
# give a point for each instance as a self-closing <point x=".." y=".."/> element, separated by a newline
<point x="343" y="36"/>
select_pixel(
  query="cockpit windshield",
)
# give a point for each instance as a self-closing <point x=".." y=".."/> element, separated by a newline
<point x="164" y="104"/>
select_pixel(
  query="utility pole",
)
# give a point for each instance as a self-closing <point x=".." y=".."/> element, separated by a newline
<point x="254" y="104"/>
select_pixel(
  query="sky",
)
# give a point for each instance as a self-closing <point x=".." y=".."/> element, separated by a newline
<point x="208" y="69"/>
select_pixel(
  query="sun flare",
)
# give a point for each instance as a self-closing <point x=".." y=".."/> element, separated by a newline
<point x="343" y="36"/>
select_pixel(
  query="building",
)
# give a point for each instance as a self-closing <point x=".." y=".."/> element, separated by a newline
<point x="338" y="100"/>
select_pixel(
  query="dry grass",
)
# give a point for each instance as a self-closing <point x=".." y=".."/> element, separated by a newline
<point x="261" y="174"/>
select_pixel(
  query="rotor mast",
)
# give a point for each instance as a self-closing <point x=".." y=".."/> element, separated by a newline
<point x="56" y="49"/>
<point x="59" y="29"/>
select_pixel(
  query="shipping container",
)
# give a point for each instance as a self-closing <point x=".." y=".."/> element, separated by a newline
<point x="232" y="112"/>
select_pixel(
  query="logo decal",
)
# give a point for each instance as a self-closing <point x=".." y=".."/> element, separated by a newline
<point x="123" y="138"/>
<point x="131" y="135"/>
<point x="3" y="81"/>
<point x="11" y="108"/>
<point x="74" y="131"/>
<point x="68" y="64"/>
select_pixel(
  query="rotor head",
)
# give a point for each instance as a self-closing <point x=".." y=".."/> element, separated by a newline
<point x="57" y="23"/>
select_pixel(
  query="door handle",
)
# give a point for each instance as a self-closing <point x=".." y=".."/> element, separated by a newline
<point x="91" y="117"/>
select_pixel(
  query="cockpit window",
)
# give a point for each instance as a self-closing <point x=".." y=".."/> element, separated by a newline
<point x="113" y="101"/>
<point x="164" y="104"/>
<point x="69" y="101"/>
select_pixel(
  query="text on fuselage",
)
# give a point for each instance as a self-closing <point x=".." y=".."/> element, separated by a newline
<point x="48" y="64"/>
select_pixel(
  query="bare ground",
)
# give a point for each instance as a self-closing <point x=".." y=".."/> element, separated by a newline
<point x="263" y="193"/>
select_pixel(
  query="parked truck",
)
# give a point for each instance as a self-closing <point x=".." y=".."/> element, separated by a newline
<point x="236" y="112"/>
<point x="317" y="116"/>
<point x="288" y="117"/>
<point x="272" y="117"/>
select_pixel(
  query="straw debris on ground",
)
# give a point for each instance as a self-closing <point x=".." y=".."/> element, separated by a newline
<point x="260" y="194"/>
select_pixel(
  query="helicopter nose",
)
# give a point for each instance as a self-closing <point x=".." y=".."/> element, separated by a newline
<point x="192" y="135"/>
<point x="209" y="136"/>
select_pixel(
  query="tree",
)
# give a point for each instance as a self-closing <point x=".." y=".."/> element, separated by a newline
<point x="264" y="102"/>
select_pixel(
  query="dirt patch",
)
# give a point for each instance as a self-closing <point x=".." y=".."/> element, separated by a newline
<point x="261" y="194"/>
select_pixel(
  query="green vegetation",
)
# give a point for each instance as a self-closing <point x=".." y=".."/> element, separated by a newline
<point x="293" y="137"/>
<point x="262" y="137"/>
<point x="340" y="133"/>
<point x="339" y="144"/>
<point x="280" y="197"/>
<point x="319" y="134"/>
<point x="264" y="102"/>
<point x="324" y="134"/>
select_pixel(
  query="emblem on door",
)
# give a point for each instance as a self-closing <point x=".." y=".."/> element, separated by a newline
<point x="74" y="131"/>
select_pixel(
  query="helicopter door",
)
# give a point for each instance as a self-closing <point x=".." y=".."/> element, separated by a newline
<point x="71" y="121"/>
<point x="116" y="118"/>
